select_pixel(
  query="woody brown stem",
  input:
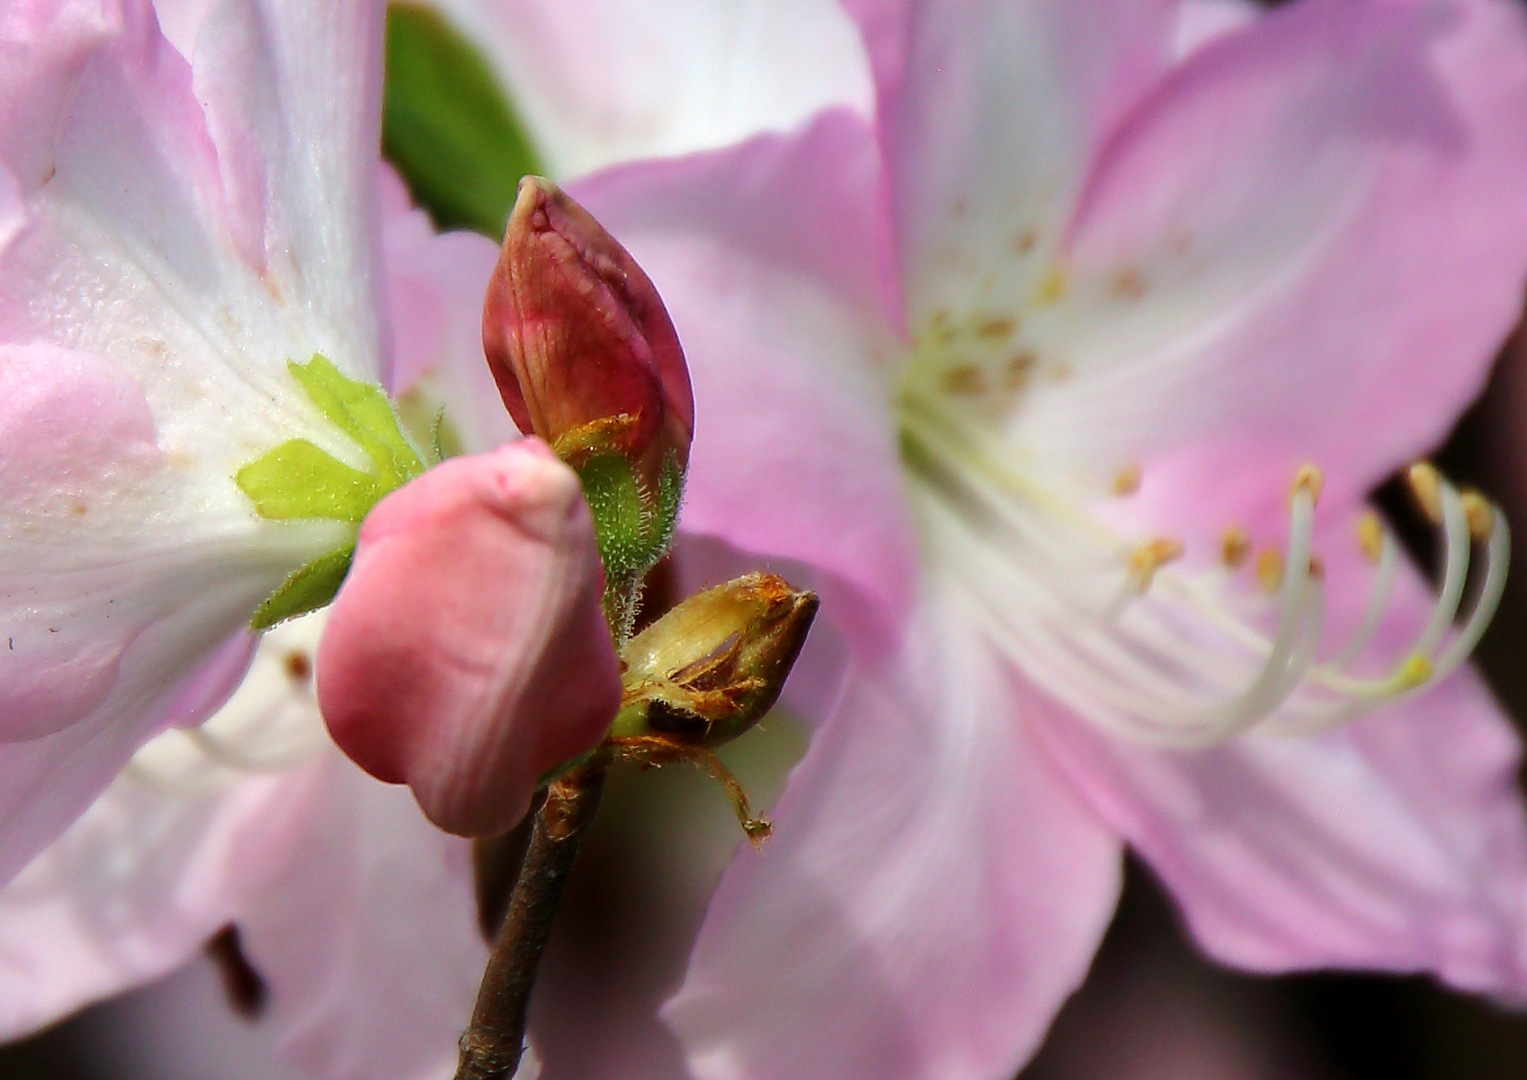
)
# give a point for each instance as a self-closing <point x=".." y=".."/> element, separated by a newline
<point x="492" y="1046"/>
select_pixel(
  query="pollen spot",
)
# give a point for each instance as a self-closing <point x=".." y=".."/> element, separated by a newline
<point x="1270" y="570"/>
<point x="1018" y="369"/>
<point x="1370" y="536"/>
<point x="1235" y="546"/>
<point x="1053" y="287"/>
<point x="299" y="667"/>
<point x="1025" y="241"/>
<point x="965" y="380"/>
<point x="1127" y="480"/>
<point x="77" y="508"/>
<point x="1060" y="371"/>
<point x="1426" y="486"/>
<point x="1127" y="284"/>
<point x="1317" y="568"/>
<point x="996" y="329"/>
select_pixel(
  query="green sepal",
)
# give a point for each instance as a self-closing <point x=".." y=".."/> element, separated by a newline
<point x="306" y="590"/>
<point x="300" y="480"/>
<point x="447" y="126"/>
<point x="633" y="527"/>
<point x="362" y="411"/>
<point x="620" y="520"/>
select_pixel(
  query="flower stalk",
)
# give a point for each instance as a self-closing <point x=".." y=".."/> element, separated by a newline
<point x="492" y="1046"/>
<point x="586" y="358"/>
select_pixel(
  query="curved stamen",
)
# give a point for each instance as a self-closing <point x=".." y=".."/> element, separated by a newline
<point x="1171" y="655"/>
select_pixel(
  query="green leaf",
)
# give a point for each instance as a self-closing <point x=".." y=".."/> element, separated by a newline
<point x="447" y="126"/>
<point x="300" y="480"/>
<point x="361" y="410"/>
<point x="306" y="590"/>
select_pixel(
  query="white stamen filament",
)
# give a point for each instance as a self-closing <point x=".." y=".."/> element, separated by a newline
<point x="1167" y="655"/>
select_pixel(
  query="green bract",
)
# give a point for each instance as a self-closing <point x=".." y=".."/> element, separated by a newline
<point x="299" y="480"/>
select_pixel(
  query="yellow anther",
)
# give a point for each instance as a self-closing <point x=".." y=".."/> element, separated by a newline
<point x="1270" y="570"/>
<point x="1309" y="479"/>
<point x="1416" y="670"/>
<point x="1370" y="536"/>
<point x="1146" y="559"/>
<point x="1127" y="480"/>
<point x="1426" y="485"/>
<point x="1235" y="546"/>
<point x="1481" y="515"/>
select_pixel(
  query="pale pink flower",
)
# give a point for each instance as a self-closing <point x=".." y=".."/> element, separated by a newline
<point x="254" y="818"/>
<point x="185" y="232"/>
<point x="1094" y="289"/>
<point x="175" y="236"/>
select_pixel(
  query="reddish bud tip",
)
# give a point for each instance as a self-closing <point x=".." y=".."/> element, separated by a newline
<point x="579" y="341"/>
<point x="467" y="652"/>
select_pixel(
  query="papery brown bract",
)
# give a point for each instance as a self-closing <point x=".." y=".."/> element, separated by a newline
<point x="708" y="670"/>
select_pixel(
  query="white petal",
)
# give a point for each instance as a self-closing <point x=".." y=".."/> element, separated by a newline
<point x="601" y="81"/>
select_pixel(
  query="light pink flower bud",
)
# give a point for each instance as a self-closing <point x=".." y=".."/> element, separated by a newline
<point x="467" y="654"/>
<point x="579" y="341"/>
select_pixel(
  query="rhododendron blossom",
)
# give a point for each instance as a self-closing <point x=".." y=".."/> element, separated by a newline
<point x="1070" y="379"/>
<point x="186" y="246"/>
<point x="254" y="818"/>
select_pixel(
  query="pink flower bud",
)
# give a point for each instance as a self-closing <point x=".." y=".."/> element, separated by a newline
<point x="579" y="341"/>
<point x="466" y="653"/>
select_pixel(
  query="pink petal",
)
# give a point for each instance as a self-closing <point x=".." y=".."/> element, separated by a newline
<point x="1307" y="246"/>
<point x="602" y="81"/>
<point x="989" y="112"/>
<point x="771" y="260"/>
<point x="469" y="677"/>
<point x="932" y="893"/>
<point x="368" y="936"/>
<point x="435" y="286"/>
<point x="179" y="20"/>
<point x="1201" y="21"/>
<point x="1397" y="843"/>
<point x="133" y="888"/>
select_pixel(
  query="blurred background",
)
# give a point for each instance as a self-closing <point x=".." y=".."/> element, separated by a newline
<point x="1152" y="1008"/>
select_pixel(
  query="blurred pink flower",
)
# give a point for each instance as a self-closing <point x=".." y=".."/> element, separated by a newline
<point x="1025" y="374"/>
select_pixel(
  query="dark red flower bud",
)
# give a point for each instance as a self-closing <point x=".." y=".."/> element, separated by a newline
<point x="579" y="341"/>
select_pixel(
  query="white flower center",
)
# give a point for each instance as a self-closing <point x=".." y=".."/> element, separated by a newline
<point x="270" y="725"/>
<point x="1116" y="627"/>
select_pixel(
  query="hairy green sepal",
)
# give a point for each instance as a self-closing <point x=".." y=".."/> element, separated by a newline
<point x="633" y="526"/>
<point x="299" y="480"/>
